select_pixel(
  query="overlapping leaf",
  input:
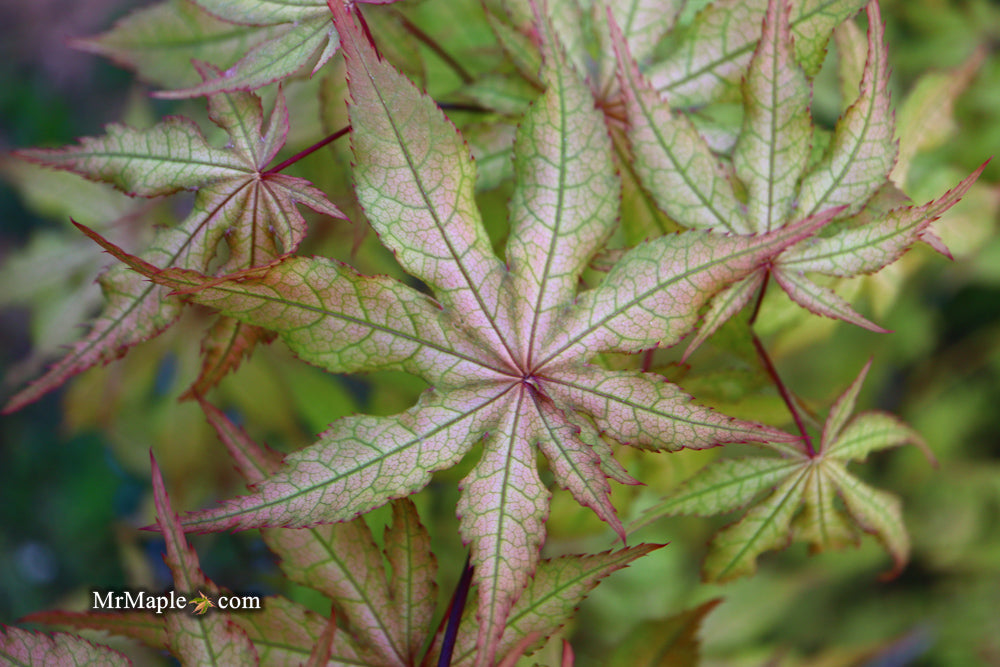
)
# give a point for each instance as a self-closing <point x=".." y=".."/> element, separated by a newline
<point x="710" y="56"/>
<point x="770" y="160"/>
<point x="238" y="202"/>
<point x="299" y="38"/>
<point x="802" y="492"/>
<point x="506" y="346"/>
<point x="159" y="42"/>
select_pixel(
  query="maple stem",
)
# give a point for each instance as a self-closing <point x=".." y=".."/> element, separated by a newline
<point x="765" y="359"/>
<point x="455" y="610"/>
<point x="309" y="151"/>
<point x="429" y="41"/>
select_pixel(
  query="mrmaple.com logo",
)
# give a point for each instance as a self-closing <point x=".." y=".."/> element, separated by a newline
<point x="141" y="600"/>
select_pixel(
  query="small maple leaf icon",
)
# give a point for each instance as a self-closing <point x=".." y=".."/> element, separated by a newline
<point x="201" y="603"/>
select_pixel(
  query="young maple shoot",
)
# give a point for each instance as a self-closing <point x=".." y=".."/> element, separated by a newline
<point x="511" y="347"/>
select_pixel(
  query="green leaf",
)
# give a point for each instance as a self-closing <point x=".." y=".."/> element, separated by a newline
<point x="723" y="487"/>
<point x="672" y="641"/>
<point x="733" y="553"/>
<point x="802" y="502"/>
<point x="772" y="150"/>
<point x="926" y="116"/>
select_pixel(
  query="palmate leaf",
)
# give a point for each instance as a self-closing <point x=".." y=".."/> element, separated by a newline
<point x="770" y="161"/>
<point x="506" y="346"/>
<point x="238" y="202"/>
<point x="801" y="503"/>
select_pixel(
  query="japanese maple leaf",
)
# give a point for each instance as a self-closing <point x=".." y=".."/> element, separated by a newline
<point x="802" y="503"/>
<point x="505" y="346"/>
<point x="22" y="647"/>
<point x="771" y="161"/>
<point x="299" y="38"/>
<point x="254" y="211"/>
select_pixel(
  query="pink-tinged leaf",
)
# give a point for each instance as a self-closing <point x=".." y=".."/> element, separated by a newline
<point x="575" y="465"/>
<point x="401" y="140"/>
<point x="204" y="640"/>
<point x="341" y="561"/>
<point x="872" y="246"/>
<point x="377" y="322"/>
<point x="323" y="650"/>
<point x="135" y="311"/>
<point x="723" y="486"/>
<point x="241" y="115"/>
<point x="164" y="159"/>
<point x="362" y="462"/>
<point x="550" y="600"/>
<point x="820" y="300"/>
<point x="930" y="237"/>
<point x="223" y="349"/>
<point x="725" y="305"/>
<point x="565" y="198"/>
<point x="653" y="295"/>
<point x="843" y="407"/>
<point x="644" y="410"/>
<point x="877" y="512"/>
<point x="21" y="647"/>
<point x="642" y="23"/>
<point x="252" y="461"/>
<point x="563" y="22"/>
<point x="773" y="149"/>
<point x="160" y="41"/>
<point x="414" y="570"/>
<point x="671" y="159"/>
<point x="293" y="48"/>
<point x="714" y="52"/>
<point x="285" y="634"/>
<point x="254" y="212"/>
<point x="146" y="627"/>
<point x="589" y="435"/>
<point x="734" y="551"/>
<point x="502" y="510"/>
<point x="863" y="150"/>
